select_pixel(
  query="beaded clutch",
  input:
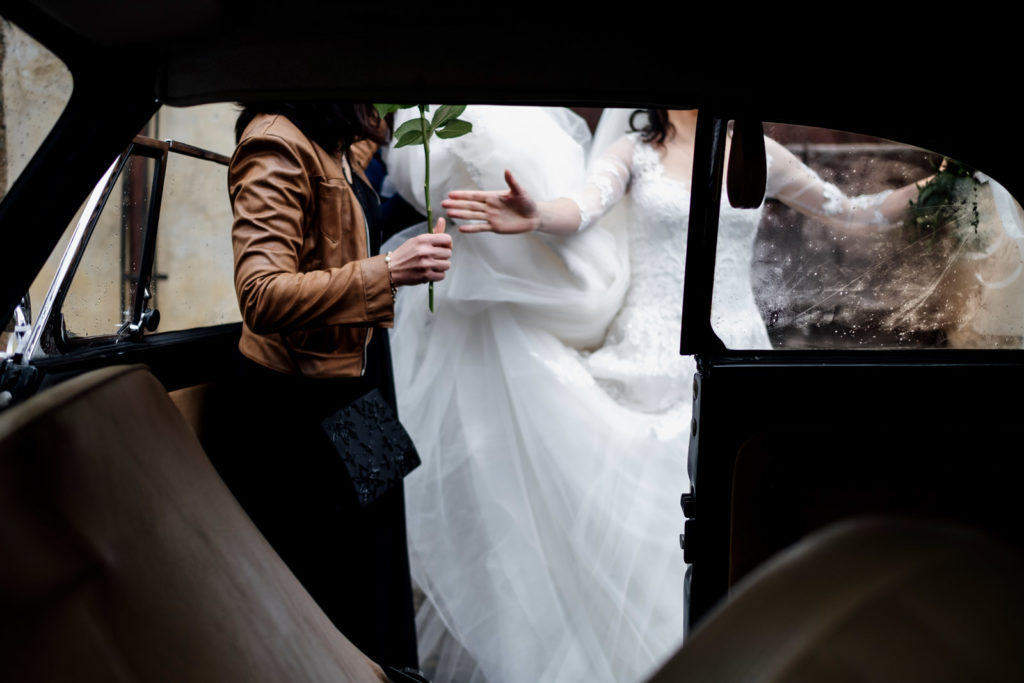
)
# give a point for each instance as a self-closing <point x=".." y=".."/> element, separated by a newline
<point x="373" y="444"/>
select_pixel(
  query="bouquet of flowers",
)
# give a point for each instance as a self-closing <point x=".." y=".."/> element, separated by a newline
<point x="947" y="205"/>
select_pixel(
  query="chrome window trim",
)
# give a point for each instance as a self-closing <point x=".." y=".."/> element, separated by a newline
<point x="31" y="346"/>
<point x="72" y="255"/>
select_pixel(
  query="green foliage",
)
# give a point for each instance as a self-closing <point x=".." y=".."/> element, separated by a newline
<point x="454" y="129"/>
<point x="445" y="123"/>
<point x="446" y="113"/>
<point x="409" y="133"/>
<point x="385" y="109"/>
<point x="946" y="205"/>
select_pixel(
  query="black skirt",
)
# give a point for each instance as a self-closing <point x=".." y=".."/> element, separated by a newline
<point x="287" y="476"/>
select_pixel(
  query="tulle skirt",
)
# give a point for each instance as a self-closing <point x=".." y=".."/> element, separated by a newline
<point x="544" y="520"/>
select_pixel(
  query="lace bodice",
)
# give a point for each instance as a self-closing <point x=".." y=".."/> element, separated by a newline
<point x="789" y="180"/>
<point x="639" y="363"/>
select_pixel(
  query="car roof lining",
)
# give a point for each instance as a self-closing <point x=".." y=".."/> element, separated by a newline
<point x="199" y="51"/>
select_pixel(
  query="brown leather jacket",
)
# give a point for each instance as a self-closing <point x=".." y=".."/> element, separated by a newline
<point x="308" y="292"/>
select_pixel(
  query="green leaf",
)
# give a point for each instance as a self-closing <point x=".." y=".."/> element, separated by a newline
<point x="446" y="113"/>
<point x="413" y="137"/>
<point x="458" y="123"/>
<point x="411" y="125"/>
<point x="455" y="129"/>
<point x="385" y="109"/>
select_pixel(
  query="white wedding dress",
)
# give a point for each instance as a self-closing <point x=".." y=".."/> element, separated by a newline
<point x="551" y="407"/>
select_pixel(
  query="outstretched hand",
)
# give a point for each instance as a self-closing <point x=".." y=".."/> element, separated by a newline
<point x="507" y="212"/>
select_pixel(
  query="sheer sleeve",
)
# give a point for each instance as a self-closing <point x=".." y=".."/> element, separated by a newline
<point x="607" y="181"/>
<point x="798" y="186"/>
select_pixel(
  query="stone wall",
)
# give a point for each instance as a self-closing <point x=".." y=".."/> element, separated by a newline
<point x="35" y="87"/>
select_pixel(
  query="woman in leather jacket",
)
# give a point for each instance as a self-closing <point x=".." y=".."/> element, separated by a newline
<point x="315" y="301"/>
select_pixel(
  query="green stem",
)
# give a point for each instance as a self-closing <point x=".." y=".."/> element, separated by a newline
<point x="426" y="190"/>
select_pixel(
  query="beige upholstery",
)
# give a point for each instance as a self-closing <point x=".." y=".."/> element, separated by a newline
<point x="872" y="599"/>
<point x="191" y="403"/>
<point x="123" y="557"/>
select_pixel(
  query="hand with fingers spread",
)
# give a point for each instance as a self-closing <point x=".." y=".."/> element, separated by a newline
<point x="423" y="258"/>
<point x="510" y="212"/>
<point x="506" y="212"/>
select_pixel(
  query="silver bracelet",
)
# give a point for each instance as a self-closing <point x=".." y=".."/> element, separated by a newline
<point x="391" y="282"/>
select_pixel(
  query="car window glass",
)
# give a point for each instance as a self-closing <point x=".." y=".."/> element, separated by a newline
<point x="101" y="291"/>
<point x="848" y="252"/>
<point x="192" y="283"/>
<point x="35" y="86"/>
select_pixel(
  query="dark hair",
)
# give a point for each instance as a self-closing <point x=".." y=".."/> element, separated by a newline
<point x="657" y="127"/>
<point x="335" y="126"/>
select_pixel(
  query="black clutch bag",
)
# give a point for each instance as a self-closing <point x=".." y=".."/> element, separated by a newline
<point x="373" y="444"/>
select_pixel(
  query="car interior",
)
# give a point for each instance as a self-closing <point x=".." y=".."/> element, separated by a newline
<point x="853" y="513"/>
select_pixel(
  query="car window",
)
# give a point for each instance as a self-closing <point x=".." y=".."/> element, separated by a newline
<point x="194" y="276"/>
<point x="814" y="267"/>
<point x="100" y="294"/>
<point x="848" y="252"/>
<point x="192" y="271"/>
<point x="35" y="86"/>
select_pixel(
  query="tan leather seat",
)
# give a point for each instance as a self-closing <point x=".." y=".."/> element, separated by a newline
<point x="123" y="557"/>
<point x="870" y="599"/>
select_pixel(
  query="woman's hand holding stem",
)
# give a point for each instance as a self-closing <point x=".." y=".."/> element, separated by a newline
<point x="423" y="258"/>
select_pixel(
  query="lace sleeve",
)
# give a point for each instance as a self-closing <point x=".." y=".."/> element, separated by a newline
<point x="793" y="183"/>
<point x="607" y="181"/>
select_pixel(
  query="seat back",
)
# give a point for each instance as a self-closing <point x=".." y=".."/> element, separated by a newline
<point x="125" y="557"/>
<point x="868" y="599"/>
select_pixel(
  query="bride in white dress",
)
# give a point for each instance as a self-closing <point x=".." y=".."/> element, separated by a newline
<point x="547" y="395"/>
